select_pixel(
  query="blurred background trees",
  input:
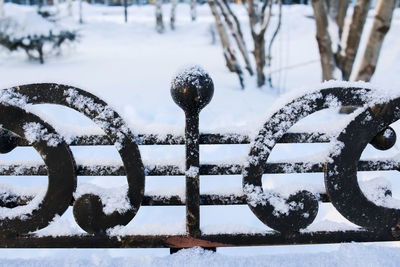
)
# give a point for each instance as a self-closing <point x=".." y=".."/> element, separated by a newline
<point x="339" y="35"/>
<point x="246" y="46"/>
<point x="259" y="13"/>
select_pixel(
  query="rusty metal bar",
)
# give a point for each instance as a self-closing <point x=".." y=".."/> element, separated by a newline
<point x="184" y="241"/>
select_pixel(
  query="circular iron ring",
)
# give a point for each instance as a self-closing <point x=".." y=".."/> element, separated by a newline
<point x="60" y="167"/>
<point x="88" y="209"/>
<point x="303" y="205"/>
<point x="341" y="176"/>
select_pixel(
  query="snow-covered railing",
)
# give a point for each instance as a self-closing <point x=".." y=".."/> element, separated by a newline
<point x="288" y="214"/>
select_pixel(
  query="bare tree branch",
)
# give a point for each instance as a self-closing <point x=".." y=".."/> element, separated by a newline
<point x="228" y="51"/>
<point x="235" y="33"/>
<point x="238" y="28"/>
<point x="265" y="21"/>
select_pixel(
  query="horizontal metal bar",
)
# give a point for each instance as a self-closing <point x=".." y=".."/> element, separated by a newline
<point x="205" y="169"/>
<point x="184" y="241"/>
<point x="205" y="139"/>
<point x="157" y="200"/>
<point x="206" y="200"/>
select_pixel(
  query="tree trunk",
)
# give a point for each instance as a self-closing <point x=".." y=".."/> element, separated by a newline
<point x="56" y="5"/>
<point x="193" y="12"/>
<point x="324" y="40"/>
<point x="159" y="18"/>
<point x="80" y="12"/>
<point x="333" y="8"/>
<point x="353" y="40"/>
<point x="239" y="29"/>
<point x="69" y="7"/>
<point x="1" y="8"/>
<point x="126" y="10"/>
<point x="381" y="25"/>
<point x="235" y="33"/>
<point x="174" y="3"/>
<point x="341" y="15"/>
<point x="269" y="56"/>
<point x="40" y="51"/>
<point x="258" y="25"/>
<point x="259" y="55"/>
<point x="251" y="10"/>
<point x="228" y="51"/>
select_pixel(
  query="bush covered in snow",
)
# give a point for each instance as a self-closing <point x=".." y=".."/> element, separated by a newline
<point x="35" y="35"/>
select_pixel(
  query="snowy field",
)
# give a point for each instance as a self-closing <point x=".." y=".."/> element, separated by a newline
<point x="130" y="66"/>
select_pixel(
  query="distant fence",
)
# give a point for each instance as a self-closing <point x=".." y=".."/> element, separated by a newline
<point x="192" y="90"/>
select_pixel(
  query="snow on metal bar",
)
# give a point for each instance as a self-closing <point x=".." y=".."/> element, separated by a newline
<point x="204" y="139"/>
<point x="205" y="169"/>
<point x="12" y="201"/>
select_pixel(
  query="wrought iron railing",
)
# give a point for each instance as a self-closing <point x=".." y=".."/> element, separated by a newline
<point x="192" y="91"/>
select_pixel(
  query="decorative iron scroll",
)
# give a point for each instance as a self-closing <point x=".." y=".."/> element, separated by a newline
<point x="192" y="90"/>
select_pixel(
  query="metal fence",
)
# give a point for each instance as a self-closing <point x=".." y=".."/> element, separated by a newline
<point x="192" y="91"/>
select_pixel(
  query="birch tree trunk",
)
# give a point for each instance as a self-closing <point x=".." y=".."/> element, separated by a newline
<point x="193" y="11"/>
<point x="80" y="12"/>
<point x="69" y="7"/>
<point x="259" y="16"/>
<point x="228" y="51"/>
<point x="126" y="10"/>
<point x="259" y="55"/>
<point x="333" y="8"/>
<point x="56" y="5"/>
<point x="259" y="22"/>
<point x="174" y="3"/>
<point x="353" y="41"/>
<point x="341" y="15"/>
<point x="159" y="18"/>
<point x="382" y="20"/>
<point x="1" y="8"/>
<point x="236" y="32"/>
<point x="324" y="40"/>
<point x="269" y="55"/>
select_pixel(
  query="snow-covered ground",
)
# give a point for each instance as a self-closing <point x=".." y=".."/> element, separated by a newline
<point x="131" y="67"/>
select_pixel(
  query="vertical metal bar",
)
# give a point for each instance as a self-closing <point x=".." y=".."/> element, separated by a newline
<point x="192" y="174"/>
<point x="192" y="90"/>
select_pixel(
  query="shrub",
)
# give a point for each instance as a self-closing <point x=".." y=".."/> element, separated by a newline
<point x="36" y="44"/>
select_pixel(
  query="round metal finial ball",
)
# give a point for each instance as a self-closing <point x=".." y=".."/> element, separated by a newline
<point x="192" y="89"/>
<point x="8" y="141"/>
<point x="385" y="139"/>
